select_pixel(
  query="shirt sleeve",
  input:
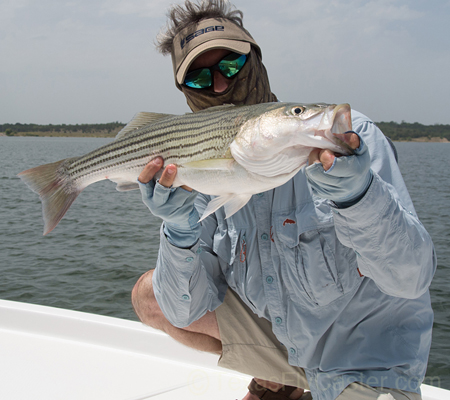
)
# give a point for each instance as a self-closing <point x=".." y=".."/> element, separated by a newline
<point x="392" y="246"/>
<point x="188" y="282"/>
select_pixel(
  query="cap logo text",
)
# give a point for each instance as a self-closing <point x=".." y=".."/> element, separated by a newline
<point x="200" y="32"/>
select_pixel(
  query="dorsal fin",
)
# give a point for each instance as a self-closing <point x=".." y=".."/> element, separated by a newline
<point x="139" y="120"/>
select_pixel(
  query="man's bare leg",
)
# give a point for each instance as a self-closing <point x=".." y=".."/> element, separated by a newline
<point x="202" y="334"/>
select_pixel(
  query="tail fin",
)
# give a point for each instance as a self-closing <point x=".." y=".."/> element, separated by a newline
<point x="53" y="185"/>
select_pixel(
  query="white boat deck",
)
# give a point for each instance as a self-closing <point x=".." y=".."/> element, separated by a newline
<point x="48" y="353"/>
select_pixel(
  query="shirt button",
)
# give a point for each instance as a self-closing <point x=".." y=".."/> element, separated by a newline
<point x="269" y="279"/>
<point x="189" y="259"/>
<point x="185" y="297"/>
<point x="292" y="351"/>
<point x="264" y="236"/>
<point x="199" y="250"/>
<point x="260" y="194"/>
<point x="278" y="320"/>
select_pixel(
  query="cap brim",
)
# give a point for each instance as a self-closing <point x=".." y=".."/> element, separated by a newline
<point x="232" y="45"/>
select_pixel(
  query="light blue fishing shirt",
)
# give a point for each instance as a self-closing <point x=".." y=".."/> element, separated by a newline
<point x="346" y="290"/>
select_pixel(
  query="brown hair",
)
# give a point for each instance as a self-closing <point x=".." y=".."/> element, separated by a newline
<point x="180" y="17"/>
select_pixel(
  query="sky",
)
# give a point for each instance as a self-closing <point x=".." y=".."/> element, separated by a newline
<point x="94" y="61"/>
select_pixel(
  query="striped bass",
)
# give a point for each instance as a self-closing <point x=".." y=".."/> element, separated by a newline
<point x="227" y="151"/>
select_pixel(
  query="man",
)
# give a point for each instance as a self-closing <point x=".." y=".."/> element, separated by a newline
<point x="321" y="283"/>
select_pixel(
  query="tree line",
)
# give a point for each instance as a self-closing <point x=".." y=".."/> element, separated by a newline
<point x="409" y="131"/>
<point x="394" y="130"/>
<point x="87" y="129"/>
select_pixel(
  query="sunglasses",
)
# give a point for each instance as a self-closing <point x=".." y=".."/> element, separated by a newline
<point x="228" y="66"/>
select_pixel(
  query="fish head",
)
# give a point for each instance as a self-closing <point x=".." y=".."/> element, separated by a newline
<point x="285" y="133"/>
<point x="306" y="124"/>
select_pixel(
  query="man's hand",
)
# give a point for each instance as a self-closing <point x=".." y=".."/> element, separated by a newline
<point x="326" y="157"/>
<point x="153" y="167"/>
<point x="173" y="205"/>
<point x="342" y="179"/>
<point x="167" y="177"/>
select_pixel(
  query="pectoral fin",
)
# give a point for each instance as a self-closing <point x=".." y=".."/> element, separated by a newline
<point x="126" y="186"/>
<point x="231" y="202"/>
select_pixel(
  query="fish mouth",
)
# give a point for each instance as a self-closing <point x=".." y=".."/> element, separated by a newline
<point x="335" y="122"/>
<point x="342" y="123"/>
<point x="342" y="119"/>
<point x="336" y="119"/>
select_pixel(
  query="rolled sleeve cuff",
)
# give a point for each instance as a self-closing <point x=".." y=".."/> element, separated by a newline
<point x="369" y="207"/>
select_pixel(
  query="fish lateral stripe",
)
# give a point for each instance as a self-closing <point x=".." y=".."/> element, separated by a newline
<point x="146" y="159"/>
<point x="187" y="141"/>
<point x="185" y="152"/>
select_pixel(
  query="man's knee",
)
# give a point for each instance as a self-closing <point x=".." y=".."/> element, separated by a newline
<point x="144" y="302"/>
<point x="202" y="334"/>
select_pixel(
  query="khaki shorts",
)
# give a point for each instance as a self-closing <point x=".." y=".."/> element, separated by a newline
<point x="250" y="347"/>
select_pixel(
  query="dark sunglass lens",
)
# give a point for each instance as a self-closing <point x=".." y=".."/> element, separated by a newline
<point x="198" y="79"/>
<point x="232" y="64"/>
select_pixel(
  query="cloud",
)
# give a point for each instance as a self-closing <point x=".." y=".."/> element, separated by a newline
<point x="369" y="53"/>
<point x="9" y="8"/>
<point x="139" y="8"/>
<point x="94" y="60"/>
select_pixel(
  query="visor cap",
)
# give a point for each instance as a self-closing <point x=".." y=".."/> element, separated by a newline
<point x="206" y="35"/>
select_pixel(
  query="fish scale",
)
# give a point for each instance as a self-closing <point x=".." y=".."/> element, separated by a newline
<point x="198" y="132"/>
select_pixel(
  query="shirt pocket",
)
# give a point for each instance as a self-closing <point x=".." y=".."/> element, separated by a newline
<point x="311" y="270"/>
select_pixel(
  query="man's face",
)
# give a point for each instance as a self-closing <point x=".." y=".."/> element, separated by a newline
<point x="208" y="59"/>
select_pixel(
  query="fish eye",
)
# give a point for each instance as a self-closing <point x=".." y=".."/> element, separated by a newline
<point x="297" y="110"/>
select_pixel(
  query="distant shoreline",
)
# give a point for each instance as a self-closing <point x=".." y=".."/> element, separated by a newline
<point x="425" y="140"/>
<point x="99" y="134"/>
<point x="398" y="132"/>
<point x="111" y="135"/>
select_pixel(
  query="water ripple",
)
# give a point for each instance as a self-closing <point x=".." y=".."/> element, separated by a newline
<point x="108" y="239"/>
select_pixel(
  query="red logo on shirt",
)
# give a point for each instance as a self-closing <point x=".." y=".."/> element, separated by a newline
<point x="288" y="221"/>
<point x="243" y="253"/>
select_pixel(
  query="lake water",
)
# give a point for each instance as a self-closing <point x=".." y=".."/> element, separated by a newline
<point x="91" y="261"/>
